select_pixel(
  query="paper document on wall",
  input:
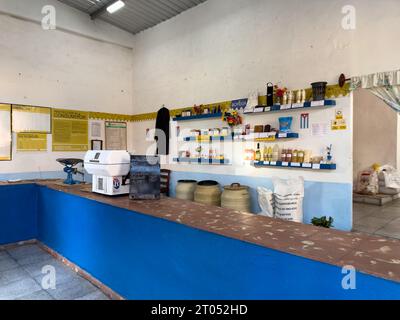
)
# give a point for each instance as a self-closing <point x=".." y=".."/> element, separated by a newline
<point x="31" y="141"/>
<point x="116" y="136"/>
<point x="5" y="132"/>
<point x="320" y="129"/>
<point x="70" y="130"/>
<point x="31" y="119"/>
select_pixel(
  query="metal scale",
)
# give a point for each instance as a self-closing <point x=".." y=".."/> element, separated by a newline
<point x="70" y="169"/>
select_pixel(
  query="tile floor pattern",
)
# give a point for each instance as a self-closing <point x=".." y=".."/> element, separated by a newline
<point x="381" y="221"/>
<point x="21" y="277"/>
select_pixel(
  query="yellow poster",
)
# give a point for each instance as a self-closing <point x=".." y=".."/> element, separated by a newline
<point x="70" y="130"/>
<point x="31" y="141"/>
<point x="5" y="132"/>
<point x="339" y="123"/>
<point x="31" y="119"/>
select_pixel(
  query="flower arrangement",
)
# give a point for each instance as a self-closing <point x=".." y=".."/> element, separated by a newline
<point x="280" y="92"/>
<point x="232" y="118"/>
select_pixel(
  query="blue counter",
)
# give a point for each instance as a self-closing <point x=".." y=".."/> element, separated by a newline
<point x="143" y="257"/>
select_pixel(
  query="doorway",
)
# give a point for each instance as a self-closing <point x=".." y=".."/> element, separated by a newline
<point x="376" y="140"/>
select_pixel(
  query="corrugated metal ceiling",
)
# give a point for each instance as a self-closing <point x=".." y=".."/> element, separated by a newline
<point x="137" y="15"/>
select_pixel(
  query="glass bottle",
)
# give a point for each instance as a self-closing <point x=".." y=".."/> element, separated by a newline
<point x="258" y="153"/>
<point x="283" y="155"/>
<point x="289" y="155"/>
<point x="294" y="156"/>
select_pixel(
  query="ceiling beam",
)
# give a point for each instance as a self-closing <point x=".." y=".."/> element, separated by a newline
<point x="102" y="9"/>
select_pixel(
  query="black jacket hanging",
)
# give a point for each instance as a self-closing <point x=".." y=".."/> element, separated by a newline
<point x="162" y="124"/>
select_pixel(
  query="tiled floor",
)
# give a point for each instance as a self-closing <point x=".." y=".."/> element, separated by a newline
<point x="21" y="277"/>
<point x="382" y="221"/>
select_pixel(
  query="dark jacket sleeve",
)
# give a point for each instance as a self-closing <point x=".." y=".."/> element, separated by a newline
<point x="162" y="136"/>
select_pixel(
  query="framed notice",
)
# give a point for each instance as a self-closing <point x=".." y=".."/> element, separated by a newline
<point x="116" y="136"/>
<point x="29" y="141"/>
<point x="5" y="133"/>
<point x="31" y="119"/>
<point x="70" y="130"/>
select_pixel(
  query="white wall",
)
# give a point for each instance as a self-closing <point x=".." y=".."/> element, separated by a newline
<point x="375" y="132"/>
<point x="341" y="141"/>
<point x="61" y="69"/>
<point x="222" y="50"/>
<point x="68" y="19"/>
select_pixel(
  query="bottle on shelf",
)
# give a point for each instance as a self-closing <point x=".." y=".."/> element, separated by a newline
<point x="258" y="153"/>
<point x="289" y="155"/>
<point x="283" y="155"/>
<point x="270" y="154"/>
<point x="294" y="156"/>
<point x="265" y="153"/>
<point x="300" y="156"/>
<point x="307" y="156"/>
<point x="275" y="153"/>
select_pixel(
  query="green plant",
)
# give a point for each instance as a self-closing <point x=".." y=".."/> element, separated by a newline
<point x="323" y="222"/>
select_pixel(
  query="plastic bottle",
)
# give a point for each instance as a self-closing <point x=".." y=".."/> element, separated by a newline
<point x="275" y="153"/>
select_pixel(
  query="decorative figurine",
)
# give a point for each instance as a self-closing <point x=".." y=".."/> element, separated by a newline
<point x="329" y="154"/>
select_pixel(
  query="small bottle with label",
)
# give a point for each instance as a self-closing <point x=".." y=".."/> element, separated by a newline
<point x="275" y="153"/>
<point x="289" y="155"/>
<point x="294" y="156"/>
<point x="270" y="154"/>
<point x="283" y="155"/>
<point x="300" y="156"/>
<point x="265" y="153"/>
<point x="258" y="153"/>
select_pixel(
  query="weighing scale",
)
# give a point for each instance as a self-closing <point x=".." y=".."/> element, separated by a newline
<point x="69" y="169"/>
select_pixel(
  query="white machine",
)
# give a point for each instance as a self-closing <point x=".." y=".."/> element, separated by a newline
<point x="110" y="170"/>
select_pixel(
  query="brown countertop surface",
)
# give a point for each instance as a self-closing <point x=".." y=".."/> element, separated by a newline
<point x="377" y="256"/>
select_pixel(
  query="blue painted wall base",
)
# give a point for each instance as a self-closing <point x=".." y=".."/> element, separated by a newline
<point x="321" y="198"/>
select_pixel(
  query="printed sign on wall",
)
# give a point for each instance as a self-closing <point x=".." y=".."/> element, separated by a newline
<point x="31" y="141"/>
<point x="5" y="132"/>
<point x="70" y="130"/>
<point x="339" y="123"/>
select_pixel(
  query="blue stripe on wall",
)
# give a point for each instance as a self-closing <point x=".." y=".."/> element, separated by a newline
<point x="41" y="176"/>
<point x="33" y="175"/>
<point x="321" y="198"/>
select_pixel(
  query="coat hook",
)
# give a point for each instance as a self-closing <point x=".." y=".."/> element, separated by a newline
<point x="343" y="80"/>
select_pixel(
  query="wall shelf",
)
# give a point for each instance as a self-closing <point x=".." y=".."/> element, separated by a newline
<point x="291" y="165"/>
<point x="199" y="117"/>
<point x="294" y="107"/>
<point x="279" y="136"/>
<point x="210" y="139"/>
<point x="202" y="161"/>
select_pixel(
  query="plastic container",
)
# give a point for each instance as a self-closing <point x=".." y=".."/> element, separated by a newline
<point x="319" y="90"/>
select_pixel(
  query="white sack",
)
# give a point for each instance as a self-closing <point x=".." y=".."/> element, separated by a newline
<point x="391" y="177"/>
<point x="288" y="196"/>
<point x="266" y="202"/>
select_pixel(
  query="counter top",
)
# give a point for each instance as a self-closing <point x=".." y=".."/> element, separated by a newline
<point x="372" y="255"/>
